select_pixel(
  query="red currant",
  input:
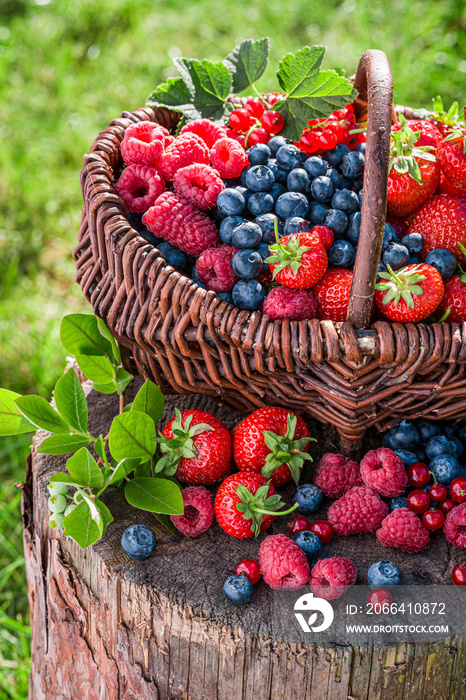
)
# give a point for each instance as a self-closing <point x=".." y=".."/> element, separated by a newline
<point x="418" y="501"/>
<point x="433" y="519"/>
<point x="418" y="474"/>
<point x="309" y="142"/>
<point x="447" y="505"/>
<point x="438" y="492"/>
<point x="298" y="524"/>
<point x="458" y="575"/>
<point x="272" y="122"/>
<point x="380" y="596"/>
<point x="241" y="120"/>
<point x="255" y="107"/>
<point x="325" y="234"/>
<point x="323" y="530"/>
<point x="241" y="138"/>
<point x="231" y="133"/>
<point x="457" y="489"/>
<point x="273" y="99"/>
<point x="249" y="568"/>
<point x="257" y="136"/>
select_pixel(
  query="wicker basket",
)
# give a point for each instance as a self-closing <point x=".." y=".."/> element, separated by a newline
<point x="347" y="374"/>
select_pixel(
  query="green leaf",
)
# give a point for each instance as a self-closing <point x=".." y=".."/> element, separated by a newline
<point x="155" y="495"/>
<point x="123" y="378"/>
<point x="297" y="72"/>
<point x="99" y="447"/>
<point x="247" y="62"/>
<point x="83" y="467"/>
<point x="105" y="388"/>
<point x="209" y="84"/>
<point x="150" y="400"/>
<point x="82" y="528"/>
<point x="12" y="421"/>
<point x="165" y="521"/>
<point x="132" y="435"/>
<point x="62" y="444"/>
<point x="63" y="478"/>
<point x="174" y="93"/>
<point x="80" y="335"/>
<point x="40" y="412"/>
<point x="71" y="401"/>
<point x="143" y="469"/>
<point x="128" y="407"/>
<point x="97" y="368"/>
<point x="106" y="333"/>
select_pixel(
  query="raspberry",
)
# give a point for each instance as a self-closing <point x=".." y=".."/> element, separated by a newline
<point x="139" y="186"/>
<point x="207" y="130"/>
<point x="330" y="578"/>
<point x="214" y="268"/>
<point x="185" y="149"/>
<point x="198" y="513"/>
<point x="455" y="526"/>
<point x="143" y="143"/>
<point x="199" y="184"/>
<point x="359" y="510"/>
<point x="228" y="157"/>
<point x="283" y="564"/>
<point x="403" y="529"/>
<point x="295" y="304"/>
<point x="335" y="475"/>
<point x="179" y="223"/>
<point x="383" y="471"/>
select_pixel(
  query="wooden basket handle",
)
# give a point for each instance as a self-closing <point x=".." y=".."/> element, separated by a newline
<point x="374" y="84"/>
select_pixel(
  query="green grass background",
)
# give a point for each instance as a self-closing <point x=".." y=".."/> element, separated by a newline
<point x="67" y="67"/>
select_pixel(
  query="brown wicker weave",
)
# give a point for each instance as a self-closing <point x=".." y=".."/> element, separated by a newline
<point x="347" y="374"/>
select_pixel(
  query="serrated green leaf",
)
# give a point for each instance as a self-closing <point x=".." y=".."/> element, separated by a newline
<point x="106" y="333"/>
<point x="97" y="368"/>
<point x="247" y="62"/>
<point x="80" y="335"/>
<point x="71" y="401"/>
<point x="62" y="444"/>
<point x="80" y="526"/>
<point x="209" y="84"/>
<point x="40" y="412"/>
<point x="297" y="72"/>
<point x="174" y="93"/>
<point x="123" y="378"/>
<point x="154" y="494"/>
<point x="12" y="421"/>
<point x="150" y="400"/>
<point x="109" y="388"/>
<point x="132" y="435"/>
<point x="83" y="467"/>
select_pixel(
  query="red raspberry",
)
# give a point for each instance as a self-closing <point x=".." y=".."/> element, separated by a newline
<point x="403" y="529"/>
<point x="284" y="565"/>
<point x="139" y="186"/>
<point x="359" y="510"/>
<point x="185" y="149"/>
<point x="455" y="526"/>
<point x="330" y="578"/>
<point x="144" y="143"/>
<point x="383" y="471"/>
<point x="199" y="184"/>
<point x="228" y="157"/>
<point x="207" y="130"/>
<point x="335" y="475"/>
<point x="198" y="513"/>
<point x="295" y="304"/>
<point x="181" y="224"/>
<point x="215" y="270"/>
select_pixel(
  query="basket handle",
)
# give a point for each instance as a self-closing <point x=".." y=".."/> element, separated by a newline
<point x="375" y="86"/>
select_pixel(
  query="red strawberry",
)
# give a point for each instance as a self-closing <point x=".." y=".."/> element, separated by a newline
<point x="197" y="448"/>
<point x="240" y="503"/>
<point x="442" y="223"/>
<point x="452" y="158"/>
<point x="298" y="260"/>
<point x="447" y="187"/>
<point x="332" y="293"/>
<point x="272" y="441"/>
<point x="429" y="134"/>
<point x="413" y="175"/>
<point x="410" y="294"/>
<point x="454" y="300"/>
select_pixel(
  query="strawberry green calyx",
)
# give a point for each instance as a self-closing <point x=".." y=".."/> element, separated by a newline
<point x="286" y="255"/>
<point x="450" y="118"/>
<point x="403" y="152"/>
<point x="254" y="506"/>
<point x="457" y="134"/>
<point x="401" y="284"/>
<point x="285" y="450"/>
<point x="181" y="445"/>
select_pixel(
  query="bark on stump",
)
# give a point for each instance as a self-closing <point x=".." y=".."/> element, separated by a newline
<point x="107" y="628"/>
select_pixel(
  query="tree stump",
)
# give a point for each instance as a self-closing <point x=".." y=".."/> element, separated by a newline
<point x="108" y="628"/>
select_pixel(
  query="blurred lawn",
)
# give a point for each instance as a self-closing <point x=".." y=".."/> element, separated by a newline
<point x="67" y="67"/>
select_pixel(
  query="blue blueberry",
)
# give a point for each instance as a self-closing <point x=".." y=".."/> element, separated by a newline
<point x="395" y="255"/>
<point x="322" y="189"/>
<point x="277" y="190"/>
<point x="414" y="260"/>
<point x="354" y="227"/>
<point x="279" y="175"/>
<point x="308" y="542"/>
<point x="335" y="177"/>
<point x="246" y="235"/>
<point x="406" y="457"/>
<point x="231" y="182"/>
<point x="440" y="445"/>
<point x="260" y="203"/>
<point x="258" y="154"/>
<point x="149" y="237"/>
<point x="352" y="165"/>
<point x="450" y="430"/>
<point x="445" y="468"/>
<point x="380" y="268"/>
<point x="296" y="224"/>
<point x="291" y="204"/>
<point x="317" y="212"/>
<point x="414" y="242"/>
<point x="403" y="436"/>
<point x="397" y="502"/>
<point x="443" y="261"/>
<point x="462" y="434"/>
<point x="360" y="194"/>
<point x="237" y="589"/>
<point x="267" y="226"/>
<point x="263" y="250"/>
<point x="315" y="166"/>
<point x="226" y="296"/>
<point x="420" y="453"/>
<point x="195" y="278"/>
<point x="244" y="191"/>
<point x="244" y="172"/>
<point x="361" y="147"/>
<point x="227" y="226"/>
<point x="247" y="263"/>
<point x="337" y="221"/>
<point x="138" y="541"/>
<point x="135" y="219"/>
<point x="341" y="254"/>
<point x="308" y="497"/>
<point x="459" y="452"/>
<point x="335" y="155"/>
<point x="298" y="181"/>
<point x="248" y="295"/>
<point x="259" y="178"/>
<point x="383" y="573"/>
<point x="277" y="142"/>
<point x="346" y="200"/>
<point x="173" y="256"/>
<point x="230" y="202"/>
<point x="288" y="157"/>
<point x="389" y="236"/>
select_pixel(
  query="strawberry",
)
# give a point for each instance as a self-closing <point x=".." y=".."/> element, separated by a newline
<point x="272" y="441"/>
<point x="452" y="158"/>
<point x="413" y="172"/>
<point x="245" y="505"/>
<point x="447" y="187"/>
<point x="298" y="260"/>
<point x="429" y="135"/>
<point x="332" y="293"/>
<point x="444" y="121"/>
<point x="453" y="305"/>
<point x="196" y="447"/>
<point x="442" y="224"/>
<point x="410" y="294"/>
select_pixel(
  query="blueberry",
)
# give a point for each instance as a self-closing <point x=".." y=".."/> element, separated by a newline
<point x="354" y="227"/>
<point x="462" y="434"/>
<point x="248" y="294"/>
<point x="267" y="226"/>
<point x="341" y="254"/>
<point x="445" y="468"/>
<point x="427" y="430"/>
<point x="291" y="204"/>
<point x="259" y="178"/>
<point x="230" y="202"/>
<point x="138" y="541"/>
<point x="383" y="573"/>
<point x="395" y="255"/>
<point x="244" y="191"/>
<point x="260" y="203"/>
<point x="136" y="221"/>
<point x="263" y="250"/>
<point x="406" y="457"/>
<point x="337" y="221"/>
<point x="298" y="181"/>
<point x="420" y="453"/>
<point x="231" y="182"/>
<point x="414" y="242"/>
<point x="346" y="200"/>
<point x="443" y="261"/>
<point x="308" y="497"/>
<point x="315" y="166"/>
<point x="246" y="235"/>
<point x="459" y="452"/>
<point x="317" y="212"/>
<point x="244" y="172"/>
<point x="414" y="260"/>
<point x="361" y="147"/>
<point x="247" y="263"/>
<point x="277" y="142"/>
<point x="440" y="445"/>
<point x="259" y="154"/>
<point x="215" y="215"/>
<point x="226" y="296"/>
<point x="389" y="236"/>
<point x="335" y="177"/>
<point x="149" y="237"/>
<point x="322" y="189"/>
<point x="237" y="589"/>
<point x="296" y="224"/>
<point x="403" y="436"/>
<point x="360" y="193"/>
<point x="279" y="175"/>
<point x="335" y="155"/>
<point x="288" y="158"/>
<point x="277" y="190"/>
<point x="352" y="165"/>
<point x="173" y="256"/>
<point x="380" y="268"/>
<point x="195" y="278"/>
<point x="227" y="226"/>
<point x="397" y="502"/>
<point x="308" y="542"/>
<point x="450" y="430"/>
